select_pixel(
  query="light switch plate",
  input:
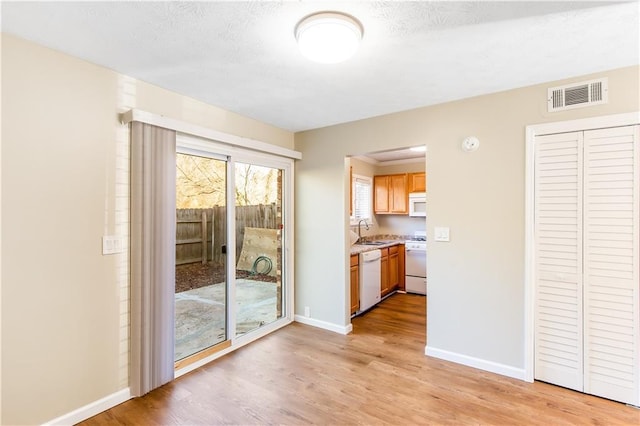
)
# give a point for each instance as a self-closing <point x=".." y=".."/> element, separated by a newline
<point x="112" y="244"/>
<point x="441" y="233"/>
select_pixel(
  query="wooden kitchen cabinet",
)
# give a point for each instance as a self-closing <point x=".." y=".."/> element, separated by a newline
<point x="401" y="266"/>
<point x="398" y="194"/>
<point x="394" y="268"/>
<point x="418" y="182"/>
<point x="381" y="194"/>
<point x="391" y="269"/>
<point x="355" y="284"/>
<point x="391" y="195"/>
<point x="384" y="272"/>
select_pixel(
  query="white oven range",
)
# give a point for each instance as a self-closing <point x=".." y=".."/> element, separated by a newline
<point x="416" y="263"/>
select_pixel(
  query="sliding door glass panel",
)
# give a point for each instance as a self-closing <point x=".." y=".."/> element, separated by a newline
<point x="258" y="284"/>
<point x="201" y="235"/>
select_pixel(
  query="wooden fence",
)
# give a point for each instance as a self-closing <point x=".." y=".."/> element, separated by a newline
<point x="197" y="240"/>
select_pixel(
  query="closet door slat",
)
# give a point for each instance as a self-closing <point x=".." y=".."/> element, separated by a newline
<point x="611" y="222"/>
<point x="558" y="242"/>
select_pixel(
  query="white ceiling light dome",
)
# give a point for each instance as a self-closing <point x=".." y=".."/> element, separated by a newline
<point x="328" y="37"/>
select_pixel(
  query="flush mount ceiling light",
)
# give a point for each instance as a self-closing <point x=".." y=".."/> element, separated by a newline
<point x="328" y="37"/>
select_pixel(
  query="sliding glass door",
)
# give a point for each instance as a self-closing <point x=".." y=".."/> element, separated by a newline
<point x="201" y="270"/>
<point x="258" y="284"/>
<point x="231" y="247"/>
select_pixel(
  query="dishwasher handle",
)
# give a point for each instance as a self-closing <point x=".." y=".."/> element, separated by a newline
<point x="370" y="256"/>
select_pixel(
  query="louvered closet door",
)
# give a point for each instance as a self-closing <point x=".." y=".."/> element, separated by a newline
<point x="558" y="234"/>
<point x="611" y="280"/>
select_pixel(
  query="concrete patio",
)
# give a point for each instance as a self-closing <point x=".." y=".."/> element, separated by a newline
<point x="200" y="313"/>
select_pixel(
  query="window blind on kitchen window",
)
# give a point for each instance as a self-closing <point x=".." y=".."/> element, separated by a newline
<point x="362" y="197"/>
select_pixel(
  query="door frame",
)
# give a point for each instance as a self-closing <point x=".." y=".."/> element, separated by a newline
<point x="600" y="122"/>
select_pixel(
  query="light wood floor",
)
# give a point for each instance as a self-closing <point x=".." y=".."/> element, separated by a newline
<point x="376" y="375"/>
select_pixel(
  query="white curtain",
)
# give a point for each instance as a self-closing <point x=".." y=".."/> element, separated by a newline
<point x="153" y="222"/>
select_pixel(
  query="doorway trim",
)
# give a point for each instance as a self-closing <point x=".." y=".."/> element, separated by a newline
<point x="600" y="122"/>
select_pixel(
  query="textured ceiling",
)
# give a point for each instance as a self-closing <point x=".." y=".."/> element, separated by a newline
<point x="242" y="56"/>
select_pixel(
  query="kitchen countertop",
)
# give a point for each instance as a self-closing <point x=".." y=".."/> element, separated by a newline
<point x="389" y="240"/>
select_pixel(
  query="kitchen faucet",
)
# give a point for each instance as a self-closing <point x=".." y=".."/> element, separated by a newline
<point x="366" y="227"/>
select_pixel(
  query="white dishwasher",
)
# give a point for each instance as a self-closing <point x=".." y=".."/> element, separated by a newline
<point x="369" y="268"/>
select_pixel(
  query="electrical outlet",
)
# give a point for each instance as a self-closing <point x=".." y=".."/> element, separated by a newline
<point x="307" y="312"/>
<point x="112" y="244"/>
<point x="441" y="233"/>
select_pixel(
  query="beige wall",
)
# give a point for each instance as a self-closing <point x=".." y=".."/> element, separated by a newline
<point x="393" y="224"/>
<point x="413" y="167"/>
<point x="475" y="304"/>
<point x="362" y="167"/>
<point x="64" y="186"/>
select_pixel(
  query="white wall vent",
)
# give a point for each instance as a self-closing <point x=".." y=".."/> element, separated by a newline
<point x="578" y="95"/>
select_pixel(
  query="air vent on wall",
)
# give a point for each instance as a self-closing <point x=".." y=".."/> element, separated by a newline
<point x="578" y="95"/>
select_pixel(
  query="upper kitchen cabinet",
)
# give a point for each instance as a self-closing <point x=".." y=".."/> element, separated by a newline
<point x="418" y="182"/>
<point x="391" y="194"/>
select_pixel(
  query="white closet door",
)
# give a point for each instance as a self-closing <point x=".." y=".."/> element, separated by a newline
<point x="558" y="234"/>
<point x="611" y="280"/>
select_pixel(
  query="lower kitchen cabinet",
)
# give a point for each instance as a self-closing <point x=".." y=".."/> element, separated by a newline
<point x="394" y="268"/>
<point x="384" y="272"/>
<point x="391" y="274"/>
<point x="391" y="269"/>
<point x="401" y="267"/>
<point x="355" y="285"/>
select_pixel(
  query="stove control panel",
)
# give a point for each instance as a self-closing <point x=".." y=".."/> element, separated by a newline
<point x="413" y="245"/>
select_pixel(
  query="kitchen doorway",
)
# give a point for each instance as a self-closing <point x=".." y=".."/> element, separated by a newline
<point x="391" y="220"/>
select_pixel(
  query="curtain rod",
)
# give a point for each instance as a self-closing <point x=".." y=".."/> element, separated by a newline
<point x="204" y="132"/>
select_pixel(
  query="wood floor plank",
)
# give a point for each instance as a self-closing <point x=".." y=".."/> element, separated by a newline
<point x="376" y="375"/>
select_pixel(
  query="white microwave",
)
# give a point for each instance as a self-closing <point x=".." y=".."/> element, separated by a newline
<point x="418" y="204"/>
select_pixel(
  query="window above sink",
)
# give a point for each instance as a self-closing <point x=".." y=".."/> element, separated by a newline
<point x="361" y="199"/>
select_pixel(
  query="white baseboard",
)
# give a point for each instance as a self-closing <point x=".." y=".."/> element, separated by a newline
<point x="342" y="329"/>
<point x="91" y="409"/>
<point x="481" y="364"/>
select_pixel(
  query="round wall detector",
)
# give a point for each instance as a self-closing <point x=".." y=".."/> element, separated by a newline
<point x="470" y="143"/>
